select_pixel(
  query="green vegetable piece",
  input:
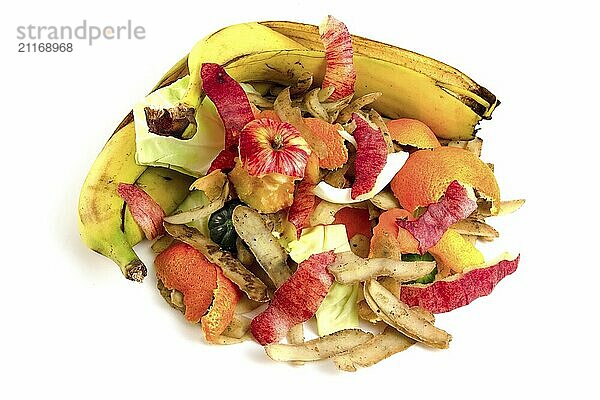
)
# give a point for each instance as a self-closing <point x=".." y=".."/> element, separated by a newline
<point x="339" y="309"/>
<point x="430" y="277"/>
<point x="189" y="155"/>
<point x="417" y="257"/>
<point x="220" y="227"/>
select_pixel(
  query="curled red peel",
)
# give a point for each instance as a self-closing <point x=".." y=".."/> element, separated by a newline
<point x="429" y="228"/>
<point x="146" y="212"/>
<point x="296" y="301"/>
<point x="371" y="156"/>
<point x="304" y="198"/>
<point x="340" y="72"/>
<point x="458" y="290"/>
<point x="302" y="207"/>
<point x="230" y="100"/>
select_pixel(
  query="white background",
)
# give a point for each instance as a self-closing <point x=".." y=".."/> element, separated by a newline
<point x="72" y="327"/>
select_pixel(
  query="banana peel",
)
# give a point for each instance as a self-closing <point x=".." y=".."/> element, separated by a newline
<point x="101" y="209"/>
<point x="406" y="93"/>
<point x="480" y="99"/>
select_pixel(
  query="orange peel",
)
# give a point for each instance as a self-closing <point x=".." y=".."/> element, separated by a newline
<point x="220" y="314"/>
<point x="412" y="132"/>
<point x="427" y="173"/>
<point x="337" y="152"/>
<point x="183" y="268"/>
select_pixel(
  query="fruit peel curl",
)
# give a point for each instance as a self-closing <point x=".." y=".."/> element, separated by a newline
<point x="458" y="290"/>
<point x="429" y="228"/>
<point x="427" y="173"/>
<point x="302" y="207"/>
<point x="222" y="309"/>
<point x="371" y="156"/>
<point x="229" y="98"/>
<point x="393" y="163"/>
<point x="146" y="212"/>
<point x="304" y="199"/>
<point x="185" y="269"/>
<point x="296" y="301"/>
<point x="340" y="71"/>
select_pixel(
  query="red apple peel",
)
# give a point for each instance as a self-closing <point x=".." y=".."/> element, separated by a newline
<point x="146" y="212"/>
<point x="296" y="301"/>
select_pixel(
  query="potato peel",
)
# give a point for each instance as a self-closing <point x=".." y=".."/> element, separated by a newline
<point x="400" y="316"/>
<point x="379" y="347"/>
<point x="475" y="228"/>
<point x="238" y="326"/>
<point x="385" y="200"/>
<point x="349" y="268"/>
<point x="216" y="187"/>
<point x="211" y="184"/>
<point x="356" y="105"/>
<point x="251" y="228"/>
<point x="320" y="348"/>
